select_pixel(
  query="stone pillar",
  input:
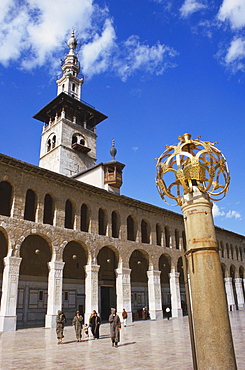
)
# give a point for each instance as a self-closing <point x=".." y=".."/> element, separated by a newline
<point x="213" y="337"/>
<point x="175" y="294"/>
<point x="154" y="294"/>
<point x="230" y="294"/>
<point x="91" y="290"/>
<point x="9" y="293"/>
<point x="123" y="291"/>
<point x="55" y="280"/>
<point x="239" y="293"/>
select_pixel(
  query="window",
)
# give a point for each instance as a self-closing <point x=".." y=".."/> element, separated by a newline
<point x="102" y="222"/>
<point x="84" y="218"/>
<point x="167" y="236"/>
<point x="131" y="229"/>
<point x="30" y="206"/>
<point x="5" y="198"/>
<point x="48" y="213"/>
<point x="158" y="234"/>
<point x="145" y="232"/>
<point x="115" y="224"/>
<point x="69" y="217"/>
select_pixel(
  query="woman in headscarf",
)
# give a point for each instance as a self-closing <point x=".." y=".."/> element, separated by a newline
<point x="60" y="322"/>
<point x="77" y="323"/>
<point x="94" y="323"/>
<point x="115" y="326"/>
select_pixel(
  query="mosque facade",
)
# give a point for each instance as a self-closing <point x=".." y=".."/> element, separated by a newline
<point x="70" y="240"/>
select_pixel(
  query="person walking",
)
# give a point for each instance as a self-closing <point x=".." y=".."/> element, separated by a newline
<point x="77" y="323"/>
<point x="60" y="323"/>
<point x="168" y="312"/>
<point x="124" y="316"/>
<point x="94" y="323"/>
<point x="115" y="326"/>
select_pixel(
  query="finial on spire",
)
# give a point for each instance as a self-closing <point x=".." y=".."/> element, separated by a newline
<point x="113" y="150"/>
<point x="72" y="42"/>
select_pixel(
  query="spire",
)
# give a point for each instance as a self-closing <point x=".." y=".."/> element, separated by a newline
<point x="113" y="150"/>
<point x="69" y="82"/>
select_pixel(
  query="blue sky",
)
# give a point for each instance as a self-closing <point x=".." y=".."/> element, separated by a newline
<point x="157" y="68"/>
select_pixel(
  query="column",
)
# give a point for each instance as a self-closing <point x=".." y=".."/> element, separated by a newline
<point x="230" y="294"/>
<point x="91" y="290"/>
<point x="10" y="293"/>
<point x="55" y="279"/>
<point x="239" y="293"/>
<point x="154" y="294"/>
<point x="175" y="294"/>
<point x="123" y="290"/>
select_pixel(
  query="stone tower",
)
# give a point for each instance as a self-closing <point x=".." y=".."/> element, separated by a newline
<point x="68" y="144"/>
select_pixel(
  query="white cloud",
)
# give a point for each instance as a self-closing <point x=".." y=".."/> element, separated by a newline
<point x="191" y="6"/>
<point x="216" y="211"/>
<point x="33" y="33"/>
<point x="233" y="214"/>
<point x="233" y="11"/>
<point x="236" y="51"/>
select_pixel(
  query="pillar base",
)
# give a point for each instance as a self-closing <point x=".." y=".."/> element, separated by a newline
<point x="7" y="323"/>
<point x="177" y="313"/>
<point x="50" y="321"/>
<point x="156" y="315"/>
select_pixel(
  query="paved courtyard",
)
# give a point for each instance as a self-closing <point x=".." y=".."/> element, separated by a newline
<point x="144" y="345"/>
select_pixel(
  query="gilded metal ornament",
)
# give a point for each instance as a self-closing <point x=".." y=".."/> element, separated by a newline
<point x="192" y="163"/>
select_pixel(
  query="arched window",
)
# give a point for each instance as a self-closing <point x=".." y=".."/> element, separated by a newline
<point x="222" y="249"/>
<point x="48" y="145"/>
<point x="53" y="141"/>
<point x="102" y="222"/>
<point x="48" y="213"/>
<point x="30" y="206"/>
<point x="69" y="216"/>
<point x="167" y="236"/>
<point x="176" y="234"/>
<point x="84" y="217"/>
<point x="145" y="232"/>
<point x="227" y="251"/>
<point x="184" y="240"/>
<point x="131" y="229"/>
<point x="5" y="198"/>
<point x="115" y="224"/>
<point x="159" y="234"/>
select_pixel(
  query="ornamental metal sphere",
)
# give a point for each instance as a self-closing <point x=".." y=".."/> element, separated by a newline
<point x="192" y="163"/>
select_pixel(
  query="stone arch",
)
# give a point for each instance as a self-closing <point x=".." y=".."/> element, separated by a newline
<point x="75" y="258"/>
<point x="139" y="265"/>
<point x="167" y="236"/>
<point x="237" y="253"/>
<point x="224" y="270"/>
<point x="69" y="214"/>
<point x="131" y="228"/>
<point x="177" y="239"/>
<point x="115" y="224"/>
<point x="184" y="240"/>
<point x="232" y="251"/>
<point x="48" y="209"/>
<point x="6" y="198"/>
<point x="158" y="234"/>
<point x="145" y="231"/>
<point x="222" y="249"/>
<point x="107" y="259"/>
<point x="85" y="217"/>
<point x="227" y="251"/>
<point x="102" y="221"/>
<point x="30" y="205"/>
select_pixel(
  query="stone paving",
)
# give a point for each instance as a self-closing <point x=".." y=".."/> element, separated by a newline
<point x="144" y="345"/>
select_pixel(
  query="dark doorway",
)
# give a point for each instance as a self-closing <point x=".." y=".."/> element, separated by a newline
<point x="107" y="301"/>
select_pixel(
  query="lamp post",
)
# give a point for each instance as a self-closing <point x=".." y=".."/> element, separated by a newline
<point x="192" y="173"/>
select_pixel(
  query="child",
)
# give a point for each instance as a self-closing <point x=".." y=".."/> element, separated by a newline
<point x="85" y="330"/>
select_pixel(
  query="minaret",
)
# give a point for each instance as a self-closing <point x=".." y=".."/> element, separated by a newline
<point x="69" y="82"/>
<point x="68" y="144"/>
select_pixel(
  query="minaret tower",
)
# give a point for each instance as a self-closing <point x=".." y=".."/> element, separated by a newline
<point x="68" y="144"/>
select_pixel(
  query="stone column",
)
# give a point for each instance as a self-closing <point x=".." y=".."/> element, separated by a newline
<point x="154" y="294"/>
<point x="175" y="294"/>
<point x="55" y="280"/>
<point x="123" y="291"/>
<point x="230" y="294"/>
<point x="239" y="293"/>
<point x="213" y="337"/>
<point x="91" y="290"/>
<point x="9" y="293"/>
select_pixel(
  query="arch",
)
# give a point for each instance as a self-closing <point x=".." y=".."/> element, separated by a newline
<point x="30" y="205"/>
<point x="108" y="260"/>
<point x="51" y="142"/>
<point x="85" y="217"/>
<point x="222" y="249"/>
<point x="184" y="240"/>
<point x="241" y="272"/>
<point x="75" y="258"/>
<point x="240" y="251"/>
<point x="102" y="220"/>
<point x="131" y="228"/>
<point x="233" y="274"/>
<point x="145" y="231"/>
<point x="115" y="224"/>
<point x="48" y="212"/>
<point x="237" y="252"/>
<point x="139" y="265"/>
<point x="167" y="236"/>
<point x="158" y="234"/>
<point x="227" y="251"/>
<point x="5" y="198"/>
<point x="224" y="270"/>
<point x="176" y="235"/>
<point x="165" y="268"/>
<point x="232" y="251"/>
<point x="69" y="215"/>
